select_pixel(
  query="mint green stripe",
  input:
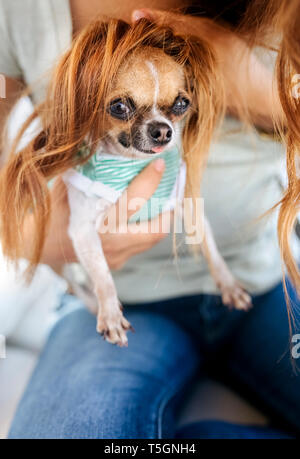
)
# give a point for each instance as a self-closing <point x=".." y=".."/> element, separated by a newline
<point x="118" y="174"/>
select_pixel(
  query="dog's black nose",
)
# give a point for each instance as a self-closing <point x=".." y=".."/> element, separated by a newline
<point x="160" y="133"/>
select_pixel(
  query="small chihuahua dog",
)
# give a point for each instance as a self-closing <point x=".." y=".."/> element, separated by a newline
<point x="123" y="95"/>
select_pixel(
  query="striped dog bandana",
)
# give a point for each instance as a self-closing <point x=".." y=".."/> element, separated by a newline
<point x="108" y="176"/>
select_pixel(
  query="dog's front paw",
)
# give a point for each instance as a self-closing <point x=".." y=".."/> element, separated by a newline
<point x="235" y="296"/>
<point x="114" y="328"/>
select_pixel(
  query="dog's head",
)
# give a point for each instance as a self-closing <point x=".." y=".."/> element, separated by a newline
<point x="138" y="88"/>
<point x="149" y="99"/>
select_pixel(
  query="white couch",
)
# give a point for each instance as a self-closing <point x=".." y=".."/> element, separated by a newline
<point x="27" y="314"/>
<point x="15" y="371"/>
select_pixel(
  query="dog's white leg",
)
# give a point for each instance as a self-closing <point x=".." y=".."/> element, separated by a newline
<point x="82" y="229"/>
<point x="233" y="294"/>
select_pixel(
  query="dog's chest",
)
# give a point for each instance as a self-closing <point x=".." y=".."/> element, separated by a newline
<point x="107" y="177"/>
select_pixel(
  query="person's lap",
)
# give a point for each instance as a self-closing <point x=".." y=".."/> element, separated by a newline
<point x="260" y="357"/>
<point x="215" y="429"/>
<point x="86" y="388"/>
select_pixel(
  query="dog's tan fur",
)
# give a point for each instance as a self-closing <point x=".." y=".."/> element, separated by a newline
<point x="171" y="78"/>
<point x="169" y="81"/>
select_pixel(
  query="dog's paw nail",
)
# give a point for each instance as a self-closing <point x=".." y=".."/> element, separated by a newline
<point x="126" y="325"/>
<point x="235" y="297"/>
<point x="113" y="329"/>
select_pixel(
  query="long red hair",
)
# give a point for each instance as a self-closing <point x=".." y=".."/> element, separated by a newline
<point x="280" y="19"/>
<point x="74" y="109"/>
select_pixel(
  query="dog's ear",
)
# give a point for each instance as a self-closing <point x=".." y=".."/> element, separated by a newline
<point x="205" y="85"/>
<point x="82" y="80"/>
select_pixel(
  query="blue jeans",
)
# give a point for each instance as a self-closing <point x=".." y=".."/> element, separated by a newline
<point x="84" y="387"/>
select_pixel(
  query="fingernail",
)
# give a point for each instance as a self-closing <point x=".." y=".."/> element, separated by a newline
<point x="137" y="15"/>
<point x="159" y="165"/>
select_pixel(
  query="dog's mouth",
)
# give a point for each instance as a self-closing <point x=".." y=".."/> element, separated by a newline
<point x="158" y="149"/>
<point x="128" y="141"/>
<point x="153" y="151"/>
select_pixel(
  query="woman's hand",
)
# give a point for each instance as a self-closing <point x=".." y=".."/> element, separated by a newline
<point x="118" y="247"/>
<point x="249" y="86"/>
<point x="180" y="23"/>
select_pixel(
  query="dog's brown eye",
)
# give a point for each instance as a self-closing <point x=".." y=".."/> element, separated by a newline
<point x="180" y="106"/>
<point x="122" y="109"/>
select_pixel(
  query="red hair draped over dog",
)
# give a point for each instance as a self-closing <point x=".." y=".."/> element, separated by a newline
<point x="75" y="107"/>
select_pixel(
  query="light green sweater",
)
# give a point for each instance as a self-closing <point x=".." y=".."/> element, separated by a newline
<point x="117" y="172"/>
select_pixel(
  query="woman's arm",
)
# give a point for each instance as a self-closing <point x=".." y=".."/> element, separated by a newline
<point x="248" y="83"/>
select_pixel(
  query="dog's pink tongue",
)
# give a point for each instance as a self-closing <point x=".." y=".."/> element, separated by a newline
<point x="157" y="149"/>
